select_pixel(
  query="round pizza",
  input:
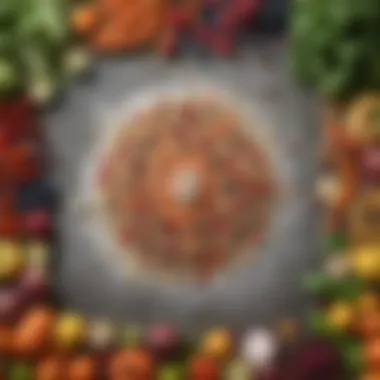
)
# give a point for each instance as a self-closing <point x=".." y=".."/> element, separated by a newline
<point x="186" y="186"/>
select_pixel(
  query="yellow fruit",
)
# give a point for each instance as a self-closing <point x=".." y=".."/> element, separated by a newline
<point x="70" y="331"/>
<point x="217" y="344"/>
<point x="362" y="122"/>
<point x="11" y="260"/>
<point x="37" y="254"/>
<point x="366" y="262"/>
<point x="238" y="369"/>
<point x="341" y="315"/>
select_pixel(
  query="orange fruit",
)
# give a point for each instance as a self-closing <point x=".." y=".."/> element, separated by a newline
<point x="51" y="368"/>
<point x="131" y="364"/>
<point x="83" y="368"/>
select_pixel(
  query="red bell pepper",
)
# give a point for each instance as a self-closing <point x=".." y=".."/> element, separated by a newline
<point x="20" y="163"/>
<point x="17" y="119"/>
<point x="180" y="17"/>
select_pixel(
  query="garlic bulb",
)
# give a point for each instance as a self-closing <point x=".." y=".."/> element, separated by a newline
<point x="101" y="334"/>
<point x="329" y="189"/>
<point x="259" y="348"/>
<point x="338" y="267"/>
<point x="42" y="92"/>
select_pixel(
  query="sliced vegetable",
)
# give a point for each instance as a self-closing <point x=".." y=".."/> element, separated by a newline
<point x="41" y="84"/>
<point x="9" y="78"/>
<point x="334" y="46"/>
<point x="53" y="15"/>
<point x="77" y="60"/>
<point x="35" y="36"/>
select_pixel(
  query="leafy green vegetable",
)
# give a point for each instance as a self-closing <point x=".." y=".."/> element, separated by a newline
<point x="7" y="11"/>
<point x="336" y="45"/>
<point x="34" y="40"/>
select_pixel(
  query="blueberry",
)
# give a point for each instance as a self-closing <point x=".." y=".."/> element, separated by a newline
<point x="37" y="195"/>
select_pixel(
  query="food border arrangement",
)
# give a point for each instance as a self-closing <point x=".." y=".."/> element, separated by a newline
<point x="44" y="43"/>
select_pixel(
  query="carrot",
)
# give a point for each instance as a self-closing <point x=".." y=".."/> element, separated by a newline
<point x="130" y="24"/>
<point x="114" y="8"/>
<point x="33" y="332"/>
<point x="82" y="368"/>
<point x="144" y="32"/>
<point x="51" y="368"/>
<point x="153" y="24"/>
<point x="116" y="37"/>
<point x="85" y="19"/>
<point x="109" y="39"/>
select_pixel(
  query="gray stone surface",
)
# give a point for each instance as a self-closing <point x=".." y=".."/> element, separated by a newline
<point x="259" y="293"/>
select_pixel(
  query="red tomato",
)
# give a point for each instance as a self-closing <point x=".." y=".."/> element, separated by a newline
<point x="203" y="368"/>
<point x="10" y="225"/>
<point x="21" y="162"/>
<point x="17" y="118"/>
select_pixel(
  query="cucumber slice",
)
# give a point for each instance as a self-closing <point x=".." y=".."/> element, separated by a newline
<point x="9" y="77"/>
<point x="41" y="82"/>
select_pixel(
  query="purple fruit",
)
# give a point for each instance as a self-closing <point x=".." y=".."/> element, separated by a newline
<point x="316" y="358"/>
<point x="309" y="360"/>
<point x="268" y="373"/>
<point x="38" y="223"/>
<point x="10" y="305"/>
<point x="34" y="286"/>
<point x="163" y="341"/>
<point x="370" y="163"/>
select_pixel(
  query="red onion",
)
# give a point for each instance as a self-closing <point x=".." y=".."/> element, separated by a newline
<point x="38" y="223"/>
<point x="315" y="359"/>
<point x="370" y="163"/>
<point x="34" y="286"/>
<point x="10" y="305"/>
<point x="164" y="341"/>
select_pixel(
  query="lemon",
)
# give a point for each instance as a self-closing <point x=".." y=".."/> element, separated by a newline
<point x="217" y="344"/>
<point x="70" y="331"/>
<point x="11" y="260"/>
<point x="37" y="254"/>
<point x="366" y="262"/>
<point x="340" y="316"/>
